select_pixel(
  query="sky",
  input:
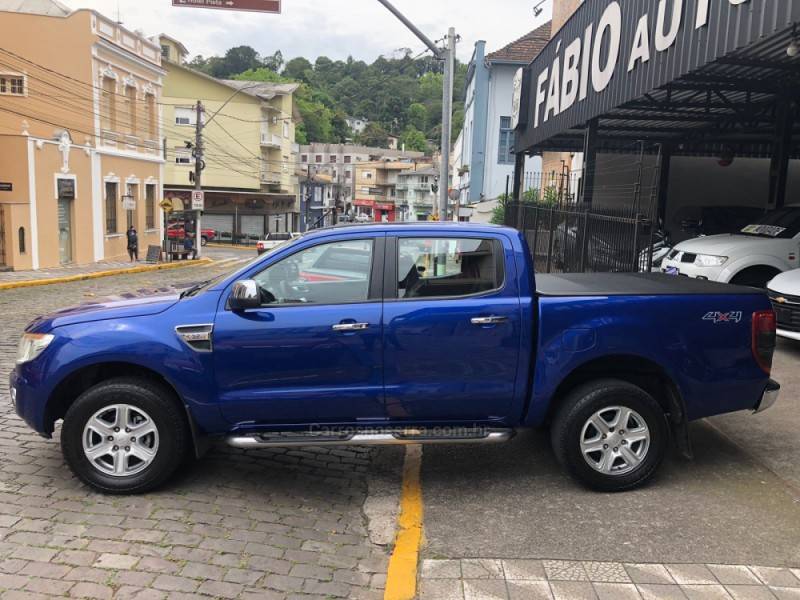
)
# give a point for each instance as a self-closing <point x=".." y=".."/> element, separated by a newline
<point x="333" y="28"/>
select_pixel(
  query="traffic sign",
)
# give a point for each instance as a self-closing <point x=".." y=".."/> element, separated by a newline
<point x="167" y="206"/>
<point x="265" y="6"/>
<point x="198" y="200"/>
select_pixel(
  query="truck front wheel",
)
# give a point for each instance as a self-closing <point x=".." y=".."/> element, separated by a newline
<point x="610" y="435"/>
<point x="124" y="436"/>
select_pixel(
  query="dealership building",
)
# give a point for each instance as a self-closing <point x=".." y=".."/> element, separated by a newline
<point x="677" y="104"/>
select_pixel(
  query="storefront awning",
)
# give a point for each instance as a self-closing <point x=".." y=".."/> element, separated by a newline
<point x="704" y="76"/>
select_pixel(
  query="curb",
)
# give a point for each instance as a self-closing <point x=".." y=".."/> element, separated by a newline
<point x="229" y="246"/>
<point x="110" y="273"/>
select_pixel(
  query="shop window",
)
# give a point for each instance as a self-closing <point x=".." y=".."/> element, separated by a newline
<point x="111" y="207"/>
<point x="21" y="234"/>
<point x="150" y="206"/>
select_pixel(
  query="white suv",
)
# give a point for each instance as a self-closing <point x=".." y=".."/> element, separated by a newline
<point x="753" y="256"/>
<point x="784" y="292"/>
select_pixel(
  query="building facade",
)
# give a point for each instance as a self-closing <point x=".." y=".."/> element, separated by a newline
<point x="375" y="195"/>
<point x="417" y="193"/>
<point x="249" y="154"/>
<point x="338" y="161"/>
<point x="486" y="144"/>
<point x="80" y="132"/>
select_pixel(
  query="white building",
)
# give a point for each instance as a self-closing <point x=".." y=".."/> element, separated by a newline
<point x="486" y="149"/>
<point x="416" y="197"/>
<point x="338" y="162"/>
<point x="357" y="125"/>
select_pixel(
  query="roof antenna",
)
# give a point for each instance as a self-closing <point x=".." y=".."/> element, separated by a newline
<point x="537" y="10"/>
<point x="119" y="17"/>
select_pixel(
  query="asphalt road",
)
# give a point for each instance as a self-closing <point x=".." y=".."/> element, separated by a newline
<point x="738" y="502"/>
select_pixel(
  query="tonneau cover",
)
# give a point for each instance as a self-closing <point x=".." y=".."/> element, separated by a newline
<point x="632" y="284"/>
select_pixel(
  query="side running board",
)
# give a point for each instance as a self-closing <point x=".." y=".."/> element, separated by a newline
<point x="414" y="436"/>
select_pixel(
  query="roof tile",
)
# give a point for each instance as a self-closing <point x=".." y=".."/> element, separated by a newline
<point x="525" y="49"/>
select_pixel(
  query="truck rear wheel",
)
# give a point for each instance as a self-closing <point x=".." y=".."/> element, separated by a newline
<point x="124" y="436"/>
<point x="610" y="435"/>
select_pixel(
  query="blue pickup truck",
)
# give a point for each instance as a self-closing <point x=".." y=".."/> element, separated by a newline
<point x="396" y="334"/>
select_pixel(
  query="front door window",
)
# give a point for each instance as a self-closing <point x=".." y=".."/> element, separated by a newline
<point x="336" y="273"/>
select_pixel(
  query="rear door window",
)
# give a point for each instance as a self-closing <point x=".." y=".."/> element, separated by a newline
<point x="447" y="267"/>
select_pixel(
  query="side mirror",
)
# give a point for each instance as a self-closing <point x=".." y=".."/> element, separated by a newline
<point x="245" y="296"/>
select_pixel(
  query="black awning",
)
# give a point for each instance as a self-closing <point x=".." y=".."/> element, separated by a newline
<point x="716" y="85"/>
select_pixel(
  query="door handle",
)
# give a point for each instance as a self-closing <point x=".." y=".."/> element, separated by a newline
<point x="351" y="327"/>
<point x="493" y="320"/>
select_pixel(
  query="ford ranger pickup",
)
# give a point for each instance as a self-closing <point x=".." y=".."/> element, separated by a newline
<point x="396" y="334"/>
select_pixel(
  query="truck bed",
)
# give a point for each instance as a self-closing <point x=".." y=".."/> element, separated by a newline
<point x="633" y="284"/>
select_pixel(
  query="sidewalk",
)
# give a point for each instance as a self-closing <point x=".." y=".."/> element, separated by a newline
<point x="572" y="580"/>
<point x="14" y="279"/>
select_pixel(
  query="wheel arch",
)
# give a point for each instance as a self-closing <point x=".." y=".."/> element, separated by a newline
<point x="80" y="380"/>
<point x="757" y="261"/>
<point x="639" y="371"/>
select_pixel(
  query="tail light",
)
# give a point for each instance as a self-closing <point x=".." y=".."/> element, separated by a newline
<point x="764" y="336"/>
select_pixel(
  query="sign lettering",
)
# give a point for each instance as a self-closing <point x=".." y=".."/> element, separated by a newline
<point x="595" y="56"/>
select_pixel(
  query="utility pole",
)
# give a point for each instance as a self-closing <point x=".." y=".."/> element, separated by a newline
<point x="198" y="172"/>
<point x="447" y="123"/>
<point x="448" y="55"/>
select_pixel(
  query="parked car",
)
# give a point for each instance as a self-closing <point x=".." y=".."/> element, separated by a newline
<point x="177" y="231"/>
<point x="754" y="256"/>
<point x="784" y="292"/>
<point x="445" y="335"/>
<point x="701" y="221"/>
<point x="273" y="240"/>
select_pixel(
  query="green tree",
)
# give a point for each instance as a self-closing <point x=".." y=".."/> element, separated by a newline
<point x="414" y="140"/>
<point x="418" y="116"/>
<point x="298" y="69"/>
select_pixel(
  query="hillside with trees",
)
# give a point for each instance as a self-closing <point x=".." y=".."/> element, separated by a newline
<point x="399" y="96"/>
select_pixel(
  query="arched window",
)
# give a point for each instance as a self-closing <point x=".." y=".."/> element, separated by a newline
<point x="21" y="234"/>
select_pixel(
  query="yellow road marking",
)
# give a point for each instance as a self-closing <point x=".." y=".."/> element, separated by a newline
<point x="98" y="274"/>
<point x="401" y="580"/>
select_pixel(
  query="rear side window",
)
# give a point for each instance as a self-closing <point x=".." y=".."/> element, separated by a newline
<point x="447" y="267"/>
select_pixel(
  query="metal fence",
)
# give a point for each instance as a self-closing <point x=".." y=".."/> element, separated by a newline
<point x="570" y="238"/>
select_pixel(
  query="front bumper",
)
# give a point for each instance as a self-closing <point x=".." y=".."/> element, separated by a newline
<point x="24" y="400"/>
<point x="691" y="270"/>
<point x="789" y="335"/>
<point x="769" y="397"/>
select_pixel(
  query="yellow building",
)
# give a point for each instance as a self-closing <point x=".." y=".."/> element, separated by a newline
<point x="375" y="194"/>
<point x="80" y="150"/>
<point x="249" y="152"/>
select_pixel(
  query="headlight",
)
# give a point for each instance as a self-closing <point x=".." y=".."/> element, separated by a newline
<point x="707" y="260"/>
<point x="32" y="345"/>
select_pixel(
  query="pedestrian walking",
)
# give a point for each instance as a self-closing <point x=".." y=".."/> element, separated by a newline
<point x="133" y="244"/>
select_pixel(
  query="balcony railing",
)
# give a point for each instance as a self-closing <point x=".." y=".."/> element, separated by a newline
<point x="271" y="177"/>
<point x="271" y="140"/>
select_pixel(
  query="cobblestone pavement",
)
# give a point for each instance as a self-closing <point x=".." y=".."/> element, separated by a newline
<point x="263" y="524"/>
<point x="217" y="253"/>
<point x="520" y="579"/>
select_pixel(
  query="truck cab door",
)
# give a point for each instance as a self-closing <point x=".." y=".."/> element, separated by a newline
<point x="452" y="329"/>
<point x="312" y="352"/>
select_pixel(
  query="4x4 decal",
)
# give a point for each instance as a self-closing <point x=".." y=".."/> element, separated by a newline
<point x="721" y="317"/>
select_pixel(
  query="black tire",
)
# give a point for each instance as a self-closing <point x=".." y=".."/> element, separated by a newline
<point x="203" y="240"/>
<point x="576" y="410"/>
<point x="156" y="401"/>
<point x="757" y="277"/>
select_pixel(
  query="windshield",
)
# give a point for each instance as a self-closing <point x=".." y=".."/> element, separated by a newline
<point x="207" y="285"/>
<point x="783" y="223"/>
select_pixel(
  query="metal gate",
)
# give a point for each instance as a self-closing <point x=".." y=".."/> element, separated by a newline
<point x="575" y="239"/>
